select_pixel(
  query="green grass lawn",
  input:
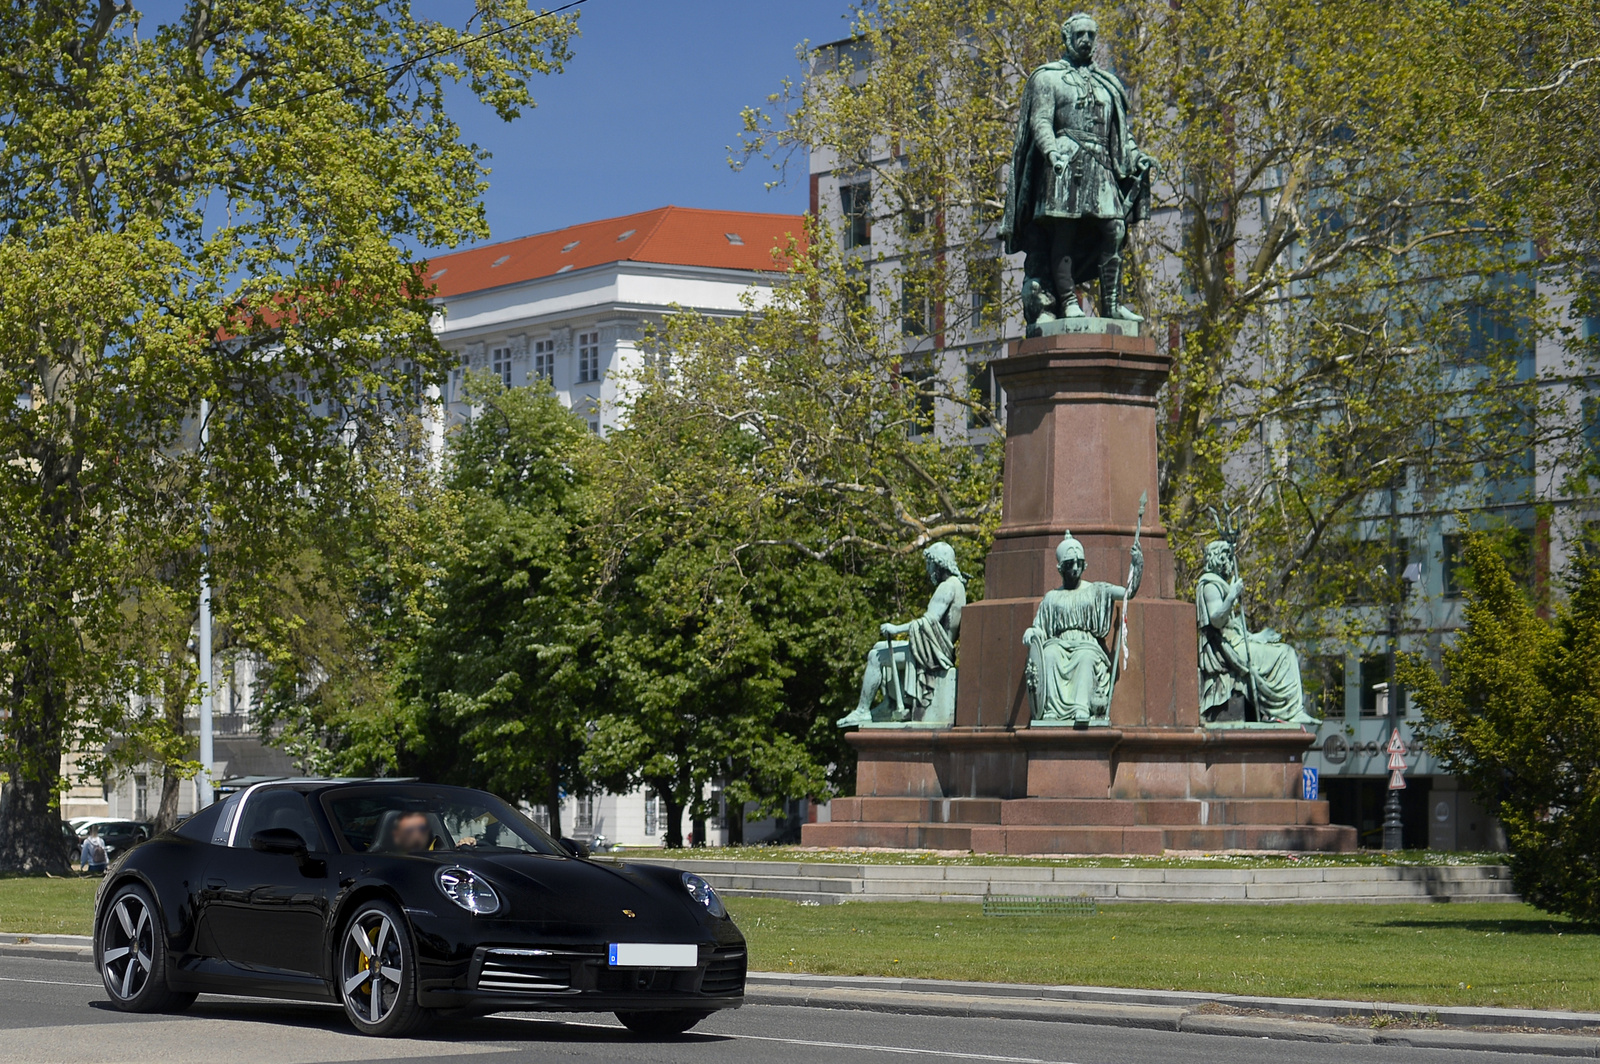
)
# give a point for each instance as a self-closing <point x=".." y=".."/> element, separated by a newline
<point x="1455" y="954"/>
<point x="1479" y="954"/>
<point x="48" y="906"/>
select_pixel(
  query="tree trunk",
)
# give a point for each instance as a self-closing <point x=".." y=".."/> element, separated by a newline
<point x="672" y="810"/>
<point x="167" y="812"/>
<point x="552" y="802"/>
<point x="735" y="823"/>
<point x="30" y="816"/>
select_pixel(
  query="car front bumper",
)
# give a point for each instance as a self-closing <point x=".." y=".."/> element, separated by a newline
<point x="580" y="979"/>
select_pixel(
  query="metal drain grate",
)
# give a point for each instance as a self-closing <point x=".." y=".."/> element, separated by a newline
<point x="1024" y="905"/>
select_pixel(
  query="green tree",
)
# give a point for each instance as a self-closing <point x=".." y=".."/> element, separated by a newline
<point x="1514" y="712"/>
<point x="499" y="684"/>
<point x="1325" y="236"/>
<point x="215" y="208"/>
<point x="761" y="510"/>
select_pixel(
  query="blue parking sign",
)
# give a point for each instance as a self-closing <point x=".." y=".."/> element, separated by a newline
<point x="1308" y="783"/>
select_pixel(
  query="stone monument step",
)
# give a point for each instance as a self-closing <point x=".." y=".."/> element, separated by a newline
<point x="1082" y="838"/>
<point x="1080" y="812"/>
<point x="829" y="883"/>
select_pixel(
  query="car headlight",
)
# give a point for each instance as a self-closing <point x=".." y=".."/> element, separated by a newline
<point x="701" y="892"/>
<point x="469" y="890"/>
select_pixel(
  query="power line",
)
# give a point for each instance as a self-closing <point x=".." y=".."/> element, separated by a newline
<point x="382" y="72"/>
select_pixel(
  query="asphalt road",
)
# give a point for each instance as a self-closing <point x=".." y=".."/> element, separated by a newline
<point x="54" y="1011"/>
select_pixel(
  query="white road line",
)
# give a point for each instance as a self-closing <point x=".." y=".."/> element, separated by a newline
<point x="45" y="982"/>
<point x="868" y="1047"/>
<point x="902" y="1050"/>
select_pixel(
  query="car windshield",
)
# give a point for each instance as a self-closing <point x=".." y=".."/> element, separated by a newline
<point x="413" y="821"/>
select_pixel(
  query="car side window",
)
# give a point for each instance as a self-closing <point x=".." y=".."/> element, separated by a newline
<point x="278" y="807"/>
<point x="203" y="825"/>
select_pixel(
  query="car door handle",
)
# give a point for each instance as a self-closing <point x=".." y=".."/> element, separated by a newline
<point x="213" y="883"/>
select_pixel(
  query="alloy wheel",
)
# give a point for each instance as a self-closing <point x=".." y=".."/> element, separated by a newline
<point x="130" y="940"/>
<point x="373" y="964"/>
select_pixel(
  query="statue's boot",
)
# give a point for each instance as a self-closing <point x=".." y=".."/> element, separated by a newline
<point x="1110" y="293"/>
<point x="860" y="715"/>
<point x="1066" y="291"/>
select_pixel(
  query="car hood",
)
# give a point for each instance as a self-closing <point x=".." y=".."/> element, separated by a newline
<point x="582" y="894"/>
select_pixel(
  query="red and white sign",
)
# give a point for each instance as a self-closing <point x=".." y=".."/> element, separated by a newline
<point x="1397" y="761"/>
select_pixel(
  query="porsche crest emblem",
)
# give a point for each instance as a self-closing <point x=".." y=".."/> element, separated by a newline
<point x="629" y="913"/>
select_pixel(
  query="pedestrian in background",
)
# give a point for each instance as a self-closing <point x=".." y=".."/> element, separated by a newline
<point x="93" y="855"/>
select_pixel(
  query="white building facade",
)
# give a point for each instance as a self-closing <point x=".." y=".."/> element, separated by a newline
<point x="571" y="306"/>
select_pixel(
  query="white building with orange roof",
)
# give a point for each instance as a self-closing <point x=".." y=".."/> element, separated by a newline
<point x="571" y="305"/>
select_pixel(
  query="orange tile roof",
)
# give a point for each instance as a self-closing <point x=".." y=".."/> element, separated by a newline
<point x="677" y="236"/>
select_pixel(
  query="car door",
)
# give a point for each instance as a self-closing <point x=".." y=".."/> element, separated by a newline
<point x="266" y="912"/>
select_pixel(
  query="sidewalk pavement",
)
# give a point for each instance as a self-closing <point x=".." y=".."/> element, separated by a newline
<point x="1452" y="1027"/>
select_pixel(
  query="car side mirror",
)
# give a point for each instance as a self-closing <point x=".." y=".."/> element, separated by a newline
<point x="286" y="841"/>
<point x="575" y="848"/>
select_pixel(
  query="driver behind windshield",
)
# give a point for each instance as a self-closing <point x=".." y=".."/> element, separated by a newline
<point x="412" y="834"/>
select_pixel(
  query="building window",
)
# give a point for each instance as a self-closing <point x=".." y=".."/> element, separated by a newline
<point x="719" y="810"/>
<point x="914" y="309"/>
<point x="588" y="357"/>
<point x="985" y="396"/>
<point x="983" y="276"/>
<point x="652" y="813"/>
<point x="856" y="201"/>
<point x="1325" y="686"/>
<point x="1454" y="562"/>
<point x="594" y="425"/>
<point x="1374" y="670"/>
<point x="544" y="360"/>
<point x="583" y="823"/>
<point x="917" y="375"/>
<point x="540" y="815"/>
<point x="500" y="364"/>
<point x="141" y="797"/>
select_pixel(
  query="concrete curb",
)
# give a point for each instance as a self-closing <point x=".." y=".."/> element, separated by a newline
<point x="47" y="947"/>
<point x="1165" y="1018"/>
<point x="1450" y="1015"/>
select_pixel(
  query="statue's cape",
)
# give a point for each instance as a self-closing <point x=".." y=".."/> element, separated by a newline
<point x="1029" y="165"/>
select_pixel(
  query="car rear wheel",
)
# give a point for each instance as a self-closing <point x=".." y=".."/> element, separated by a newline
<point x="378" y="972"/>
<point x="133" y="955"/>
<point x="663" y="1023"/>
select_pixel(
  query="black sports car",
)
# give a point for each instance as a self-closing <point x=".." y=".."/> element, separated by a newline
<point x="401" y="899"/>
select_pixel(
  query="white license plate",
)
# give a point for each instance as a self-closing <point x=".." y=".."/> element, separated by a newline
<point x="654" y="955"/>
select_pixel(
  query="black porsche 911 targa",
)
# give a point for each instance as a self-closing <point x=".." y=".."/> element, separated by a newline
<point x="402" y="900"/>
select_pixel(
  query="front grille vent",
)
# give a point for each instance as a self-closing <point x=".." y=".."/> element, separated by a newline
<point x="724" y="973"/>
<point x="521" y="971"/>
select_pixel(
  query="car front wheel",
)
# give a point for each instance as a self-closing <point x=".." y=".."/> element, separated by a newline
<point x="378" y="972"/>
<point x="663" y="1023"/>
<point x="133" y="955"/>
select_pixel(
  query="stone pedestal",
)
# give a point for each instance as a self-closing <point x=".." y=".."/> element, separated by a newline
<point x="1080" y="448"/>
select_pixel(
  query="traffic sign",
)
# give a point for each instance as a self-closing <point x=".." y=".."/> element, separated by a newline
<point x="1308" y="783"/>
<point x="1397" y="761"/>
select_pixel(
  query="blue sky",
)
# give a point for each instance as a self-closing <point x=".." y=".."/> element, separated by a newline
<point x="645" y="111"/>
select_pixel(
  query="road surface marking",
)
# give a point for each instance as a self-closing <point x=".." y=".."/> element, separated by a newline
<point x="45" y="982"/>
<point x="903" y="1050"/>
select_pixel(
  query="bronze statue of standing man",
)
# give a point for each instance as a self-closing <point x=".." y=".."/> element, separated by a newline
<point x="1077" y="183"/>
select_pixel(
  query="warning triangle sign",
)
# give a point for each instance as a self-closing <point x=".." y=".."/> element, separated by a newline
<point x="1397" y="780"/>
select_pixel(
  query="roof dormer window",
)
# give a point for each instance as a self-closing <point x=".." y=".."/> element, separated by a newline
<point x="735" y="239"/>
<point x="569" y="247"/>
<point x="626" y="234"/>
<point x="503" y="259"/>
